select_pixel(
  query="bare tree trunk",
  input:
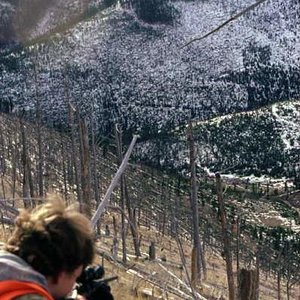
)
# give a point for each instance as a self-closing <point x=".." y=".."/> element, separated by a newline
<point x="26" y="167"/>
<point x="3" y="186"/>
<point x="2" y="161"/>
<point x="248" y="284"/>
<point x="2" y="169"/>
<point x="152" y="252"/>
<point x="278" y="285"/>
<point x="64" y="167"/>
<point x="39" y="138"/>
<point x="175" y="212"/>
<point x="95" y="174"/>
<point x="131" y="215"/>
<point x="196" y="268"/>
<point x="133" y="223"/>
<point x="123" y="224"/>
<point x="115" y="240"/>
<point x="226" y="239"/>
<point x="74" y="152"/>
<point x="113" y="183"/>
<point x="161" y="213"/>
<point x="257" y="274"/>
<point x="40" y="161"/>
<point x="14" y="170"/>
<point x="85" y="168"/>
<point x="238" y="245"/>
<point x="118" y="136"/>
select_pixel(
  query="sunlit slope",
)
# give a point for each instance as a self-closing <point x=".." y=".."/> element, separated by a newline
<point x="117" y="68"/>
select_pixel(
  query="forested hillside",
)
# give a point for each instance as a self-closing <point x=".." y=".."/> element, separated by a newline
<point x="79" y="78"/>
<point x="126" y="70"/>
<point x="124" y="62"/>
<point x="259" y="142"/>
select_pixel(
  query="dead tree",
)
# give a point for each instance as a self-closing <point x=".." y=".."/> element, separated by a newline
<point x="2" y="173"/>
<point x="74" y="150"/>
<point x="40" y="161"/>
<point x="278" y="285"/>
<point x="133" y="223"/>
<point x="85" y="168"/>
<point x="152" y="252"/>
<point x="196" y="266"/>
<point x="238" y="244"/>
<point x="113" y="184"/>
<point x="95" y="173"/>
<point x="115" y="240"/>
<point x="64" y="168"/>
<point x="257" y="273"/>
<point x="125" y="194"/>
<point x="118" y="138"/>
<point x="226" y="238"/>
<point x="14" y="170"/>
<point x="2" y="161"/>
<point x="27" y="178"/>
<point x="248" y="284"/>
<point x="184" y="264"/>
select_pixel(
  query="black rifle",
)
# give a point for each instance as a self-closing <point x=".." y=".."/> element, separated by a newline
<point x="93" y="286"/>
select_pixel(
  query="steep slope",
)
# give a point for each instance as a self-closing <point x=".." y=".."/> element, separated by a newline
<point x="127" y="71"/>
<point x="161" y="202"/>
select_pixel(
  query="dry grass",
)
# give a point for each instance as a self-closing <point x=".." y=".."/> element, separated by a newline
<point x="131" y="286"/>
<point x="214" y="286"/>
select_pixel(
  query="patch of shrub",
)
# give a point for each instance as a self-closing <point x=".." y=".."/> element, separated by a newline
<point x="156" y="11"/>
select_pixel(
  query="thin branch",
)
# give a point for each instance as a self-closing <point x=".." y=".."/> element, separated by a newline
<point x="251" y="7"/>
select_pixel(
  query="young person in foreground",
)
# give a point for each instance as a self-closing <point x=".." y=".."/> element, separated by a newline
<point x="47" y="251"/>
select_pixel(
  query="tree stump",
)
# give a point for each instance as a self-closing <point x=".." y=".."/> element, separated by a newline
<point x="107" y="231"/>
<point x="152" y="251"/>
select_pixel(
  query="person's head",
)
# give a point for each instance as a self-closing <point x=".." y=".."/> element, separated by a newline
<point x="57" y="241"/>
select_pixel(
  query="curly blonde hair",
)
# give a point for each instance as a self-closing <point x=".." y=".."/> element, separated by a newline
<point x="53" y="238"/>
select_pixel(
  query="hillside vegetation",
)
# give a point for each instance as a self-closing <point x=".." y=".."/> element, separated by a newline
<point x="121" y="68"/>
<point x="268" y="225"/>
<point x="261" y="143"/>
<point x="79" y="80"/>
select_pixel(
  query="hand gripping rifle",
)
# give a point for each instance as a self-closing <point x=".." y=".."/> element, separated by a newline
<point x="93" y="286"/>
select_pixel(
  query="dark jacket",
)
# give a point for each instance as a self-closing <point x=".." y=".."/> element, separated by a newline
<point x="13" y="267"/>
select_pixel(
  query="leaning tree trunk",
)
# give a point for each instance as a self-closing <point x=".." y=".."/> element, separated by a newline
<point x="126" y="200"/>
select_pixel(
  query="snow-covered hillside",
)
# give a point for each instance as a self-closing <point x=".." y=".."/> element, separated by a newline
<point x="115" y="68"/>
<point x="135" y="73"/>
<point x="261" y="142"/>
